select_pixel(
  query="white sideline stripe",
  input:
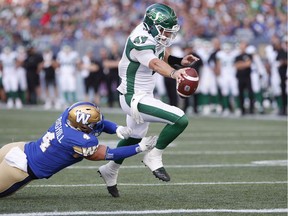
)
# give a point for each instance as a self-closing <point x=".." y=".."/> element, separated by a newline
<point x="160" y="184"/>
<point x="166" y="211"/>
<point x="272" y="162"/>
<point x="192" y="166"/>
<point x="223" y="152"/>
<point x="232" y="142"/>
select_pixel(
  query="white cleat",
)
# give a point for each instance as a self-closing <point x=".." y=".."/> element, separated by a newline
<point x="18" y="103"/>
<point x="109" y="173"/>
<point x="153" y="160"/>
<point x="10" y="103"/>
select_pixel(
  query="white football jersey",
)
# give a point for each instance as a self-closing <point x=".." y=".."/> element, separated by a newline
<point x="135" y="76"/>
<point x="68" y="62"/>
<point x="226" y="60"/>
<point x="8" y="61"/>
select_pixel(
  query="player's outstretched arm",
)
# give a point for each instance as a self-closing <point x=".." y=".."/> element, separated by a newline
<point x="122" y="132"/>
<point x="105" y="153"/>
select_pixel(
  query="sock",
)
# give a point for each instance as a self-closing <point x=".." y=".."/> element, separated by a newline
<point x="126" y="142"/>
<point x="156" y="152"/>
<point x="113" y="166"/>
<point x="205" y="99"/>
<point x="171" y="132"/>
<point x="258" y="96"/>
<point x="237" y="102"/>
<point x="225" y="102"/>
<point x="73" y="94"/>
<point x="8" y="95"/>
<point x="13" y="95"/>
<point x="22" y="96"/>
<point x="66" y="96"/>
<point x="279" y="102"/>
<point x="215" y="99"/>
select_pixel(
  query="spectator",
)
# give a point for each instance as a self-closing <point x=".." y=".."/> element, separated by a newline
<point x="21" y="73"/>
<point x="227" y="79"/>
<point x="214" y="86"/>
<point x="49" y="67"/>
<point x="243" y="63"/>
<point x="282" y="69"/>
<point x="198" y="66"/>
<point x="92" y="74"/>
<point x="33" y="65"/>
<point x="8" y="61"/>
<point x="111" y="75"/>
<point x="170" y="85"/>
<point x="69" y="62"/>
<point x="259" y="78"/>
<point x="271" y="51"/>
<point x="2" y="92"/>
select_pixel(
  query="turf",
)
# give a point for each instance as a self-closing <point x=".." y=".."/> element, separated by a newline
<point x="216" y="164"/>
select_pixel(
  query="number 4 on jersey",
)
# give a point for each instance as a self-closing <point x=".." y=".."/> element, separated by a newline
<point x="47" y="138"/>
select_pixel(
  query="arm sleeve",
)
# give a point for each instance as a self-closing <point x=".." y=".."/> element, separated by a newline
<point x="122" y="152"/>
<point x="143" y="56"/>
<point x="109" y="127"/>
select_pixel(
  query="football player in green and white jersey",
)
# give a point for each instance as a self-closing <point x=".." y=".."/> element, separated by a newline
<point x="144" y="55"/>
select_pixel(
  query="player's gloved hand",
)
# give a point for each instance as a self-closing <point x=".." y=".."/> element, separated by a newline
<point x="123" y="132"/>
<point x="148" y="143"/>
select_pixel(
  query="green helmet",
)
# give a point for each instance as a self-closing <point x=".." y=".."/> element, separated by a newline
<point x="162" y="23"/>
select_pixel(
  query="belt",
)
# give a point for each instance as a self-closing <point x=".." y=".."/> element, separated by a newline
<point x="31" y="173"/>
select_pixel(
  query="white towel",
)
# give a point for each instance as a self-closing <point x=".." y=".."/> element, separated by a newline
<point x="134" y="110"/>
<point x="17" y="158"/>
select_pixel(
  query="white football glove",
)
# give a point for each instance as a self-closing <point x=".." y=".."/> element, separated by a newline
<point x="148" y="143"/>
<point x="123" y="132"/>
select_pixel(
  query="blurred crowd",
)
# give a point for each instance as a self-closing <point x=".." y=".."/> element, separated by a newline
<point x="65" y="51"/>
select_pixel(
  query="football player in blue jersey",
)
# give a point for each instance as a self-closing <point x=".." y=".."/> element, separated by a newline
<point x="70" y="139"/>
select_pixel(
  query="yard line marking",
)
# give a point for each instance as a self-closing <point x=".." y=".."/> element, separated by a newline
<point x="113" y="143"/>
<point x="272" y="162"/>
<point x="223" y="152"/>
<point x="166" y="211"/>
<point x="188" y="166"/>
<point x="159" y="184"/>
<point x="233" y="142"/>
<point x="196" y="134"/>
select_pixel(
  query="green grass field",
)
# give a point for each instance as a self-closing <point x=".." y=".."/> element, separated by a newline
<point x="218" y="166"/>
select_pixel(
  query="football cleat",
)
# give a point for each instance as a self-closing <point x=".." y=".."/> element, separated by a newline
<point x="153" y="160"/>
<point x="113" y="190"/>
<point x="109" y="176"/>
<point x="161" y="174"/>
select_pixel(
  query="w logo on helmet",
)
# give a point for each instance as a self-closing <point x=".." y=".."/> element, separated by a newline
<point x="82" y="117"/>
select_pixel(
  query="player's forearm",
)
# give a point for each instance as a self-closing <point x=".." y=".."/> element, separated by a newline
<point x="105" y="153"/>
<point x="109" y="127"/>
<point x="160" y="67"/>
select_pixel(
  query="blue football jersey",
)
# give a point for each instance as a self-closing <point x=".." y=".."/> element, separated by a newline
<point x="61" y="146"/>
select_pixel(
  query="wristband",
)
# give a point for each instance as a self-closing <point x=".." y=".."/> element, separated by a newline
<point x="172" y="60"/>
<point x="172" y="73"/>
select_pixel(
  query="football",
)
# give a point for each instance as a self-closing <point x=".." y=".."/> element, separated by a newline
<point x="190" y="83"/>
